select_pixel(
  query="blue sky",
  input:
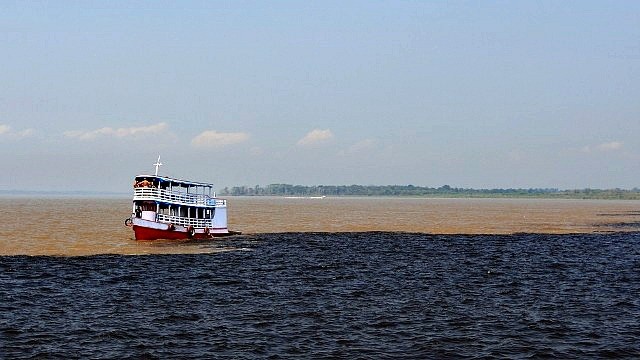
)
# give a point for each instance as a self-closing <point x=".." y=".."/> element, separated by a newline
<point x="470" y="94"/>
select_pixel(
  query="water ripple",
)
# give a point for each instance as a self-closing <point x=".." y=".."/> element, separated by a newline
<point x="328" y="295"/>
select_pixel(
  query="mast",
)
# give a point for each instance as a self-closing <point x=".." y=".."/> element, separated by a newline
<point x="157" y="165"/>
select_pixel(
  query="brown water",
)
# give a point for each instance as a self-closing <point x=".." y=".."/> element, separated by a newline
<point x="84" y="226"/>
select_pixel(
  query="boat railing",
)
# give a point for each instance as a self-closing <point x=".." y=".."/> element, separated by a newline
<point x="184" y="221"/>
<point x="151" y="193"/>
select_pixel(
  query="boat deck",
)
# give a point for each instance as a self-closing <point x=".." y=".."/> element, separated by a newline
<point x="180" y="198"/>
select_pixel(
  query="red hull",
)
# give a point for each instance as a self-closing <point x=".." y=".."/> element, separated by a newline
<point x="145" y="233"/>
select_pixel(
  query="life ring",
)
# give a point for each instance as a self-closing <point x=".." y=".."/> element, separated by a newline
<point x="191" y="232"/>
<point x="128" y="222"/>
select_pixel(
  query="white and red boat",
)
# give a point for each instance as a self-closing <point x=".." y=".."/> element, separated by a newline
<point x="167" y="208"/>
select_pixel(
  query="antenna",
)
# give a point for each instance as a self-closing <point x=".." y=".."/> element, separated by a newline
<point x="157" y="165"/>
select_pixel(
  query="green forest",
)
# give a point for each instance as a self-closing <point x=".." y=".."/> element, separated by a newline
<point x="422" y="191"/>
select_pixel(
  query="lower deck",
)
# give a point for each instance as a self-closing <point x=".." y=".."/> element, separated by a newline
<point x="152" y="230"/>
<point x="199" y="217"/>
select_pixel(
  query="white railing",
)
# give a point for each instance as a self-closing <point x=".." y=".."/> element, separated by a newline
<point x="183" y="221"/>
<point x="150" y="193"/>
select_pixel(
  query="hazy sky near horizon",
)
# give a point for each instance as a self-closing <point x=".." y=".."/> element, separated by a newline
<point x="491" y="94"/>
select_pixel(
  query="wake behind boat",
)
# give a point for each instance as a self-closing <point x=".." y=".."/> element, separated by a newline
<point x="167" y="208"/>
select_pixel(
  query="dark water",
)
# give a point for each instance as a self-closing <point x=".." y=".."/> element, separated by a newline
<point x="333" y="295"/>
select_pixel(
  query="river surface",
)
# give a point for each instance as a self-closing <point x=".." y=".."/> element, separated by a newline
<point x="325" y="279"/>
<point x="88" y="226"/>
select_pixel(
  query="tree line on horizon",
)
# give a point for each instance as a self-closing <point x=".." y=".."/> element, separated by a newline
<point x="423" y="191"/>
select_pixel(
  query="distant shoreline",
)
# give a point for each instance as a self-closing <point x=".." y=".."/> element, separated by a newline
<point x="438" y="197"/>
<point x="404" y="191"/>
<point x="392" y="191"/>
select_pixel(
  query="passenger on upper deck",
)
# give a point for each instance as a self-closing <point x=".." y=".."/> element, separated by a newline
<point x="143" y="183"/>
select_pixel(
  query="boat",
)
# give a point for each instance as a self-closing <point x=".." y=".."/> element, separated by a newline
<point x="168" y="208"/>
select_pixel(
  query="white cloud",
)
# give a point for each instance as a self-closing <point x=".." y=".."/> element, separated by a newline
<point x="363" y="145"/>
<point x="316" y="136"/>
<point x="6" y="131"/>
<point x="119" y="133"/>
<point x="604" y="147"/>
<point x="610" y="146"/>
<point x="212" y="139"/>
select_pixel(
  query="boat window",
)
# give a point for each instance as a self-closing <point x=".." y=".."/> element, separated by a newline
<point x="164" y="209"/>
<point x="148" y="206"/>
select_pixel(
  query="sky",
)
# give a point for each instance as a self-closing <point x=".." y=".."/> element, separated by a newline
<point x="486" y="94"/>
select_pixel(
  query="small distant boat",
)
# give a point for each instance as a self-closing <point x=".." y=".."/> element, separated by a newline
<point x="167" y="208"/>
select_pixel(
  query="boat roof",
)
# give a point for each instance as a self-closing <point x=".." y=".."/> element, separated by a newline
<point x="186" y="183"/>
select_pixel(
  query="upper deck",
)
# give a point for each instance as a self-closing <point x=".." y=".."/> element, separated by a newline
<point x="164" y="181"/>
<point x="174" y="191"/>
